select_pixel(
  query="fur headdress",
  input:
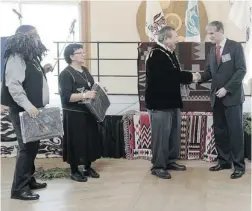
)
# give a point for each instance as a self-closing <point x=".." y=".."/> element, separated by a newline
<point x="25" y="45"/>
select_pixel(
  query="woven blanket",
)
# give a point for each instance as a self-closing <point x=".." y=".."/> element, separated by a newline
<point x="192" y="57"/>
<point x="48" y="124"/>
<point x="210" y="152"/>
<point x="142" y="136"/>
<point x="110" y="129"/>
<point x="100" y="104"/>
<point x="48" y="147"/>
<point x="129" y="134"/>
<point x="196" y="137"/>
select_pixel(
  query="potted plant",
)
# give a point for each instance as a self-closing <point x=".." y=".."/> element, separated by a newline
<point x="247" y="135"/>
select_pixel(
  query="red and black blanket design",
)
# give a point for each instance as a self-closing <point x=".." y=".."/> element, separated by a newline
<point x="197" y="139"/>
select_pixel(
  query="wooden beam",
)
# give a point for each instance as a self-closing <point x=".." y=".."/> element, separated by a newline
<point x="85" y="30"/>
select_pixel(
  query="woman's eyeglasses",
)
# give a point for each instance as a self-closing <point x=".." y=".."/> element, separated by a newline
<point x="80" y="53"/>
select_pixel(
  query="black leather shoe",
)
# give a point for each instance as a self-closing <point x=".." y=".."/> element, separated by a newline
<point x="36" y="185"/>
<point x="91" y="173"/>
<point x="220" y="167"/>
<point x="25" y="195"/>
<point x="176" y="167"/>
<point x="77" y="176"/>
<point x="237" y="174"/>
<point x="161" y="173"/>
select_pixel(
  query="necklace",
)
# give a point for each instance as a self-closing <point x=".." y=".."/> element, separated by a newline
<point x="89" y="84"/>
<point x="183" y="87"/>
<point x="35" y="64"/>
<point x="170" y="58"/>
<point x="85" y="79"/>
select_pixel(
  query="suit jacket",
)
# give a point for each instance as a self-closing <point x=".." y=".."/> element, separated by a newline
<point x="228" y="74"/>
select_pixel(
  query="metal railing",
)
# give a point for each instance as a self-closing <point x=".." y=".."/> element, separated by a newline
<point x="98" y="59"/>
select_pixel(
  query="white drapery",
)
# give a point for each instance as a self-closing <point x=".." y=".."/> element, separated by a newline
<point x="241" y="15"/>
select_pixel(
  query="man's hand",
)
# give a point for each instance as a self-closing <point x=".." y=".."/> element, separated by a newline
<point x="221" y="92"/>
<point x="196" y="77"/>
<point x="33" y="112"/>
<point x="48" y="68"/>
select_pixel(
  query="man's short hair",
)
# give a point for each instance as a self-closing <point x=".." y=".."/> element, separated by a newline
<point x="165" y="32"/>
<point x="219" y="25"/>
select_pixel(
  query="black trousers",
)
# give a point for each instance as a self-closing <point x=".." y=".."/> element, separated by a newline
<point x="165" y="136"/>
<point x="229" y="135"/>
<point x="26" y="155"/>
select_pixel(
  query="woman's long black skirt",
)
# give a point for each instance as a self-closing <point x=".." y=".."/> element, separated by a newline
<point x="81" y="142"/>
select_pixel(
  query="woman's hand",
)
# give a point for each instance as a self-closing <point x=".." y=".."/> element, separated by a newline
<point x="89" y="95"/>
<point x="105" y="89"/>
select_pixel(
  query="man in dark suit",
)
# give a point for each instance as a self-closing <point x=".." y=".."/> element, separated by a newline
<point x="163" y="101"/>
<point x="226" y="67"/>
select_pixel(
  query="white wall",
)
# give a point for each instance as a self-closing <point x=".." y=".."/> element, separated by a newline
<point x="116" y="21"/>
<point x="219" y="10"/>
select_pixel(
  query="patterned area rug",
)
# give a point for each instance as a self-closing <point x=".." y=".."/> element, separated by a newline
<point x="196" y="137"/>
<point x="192" y="57"/>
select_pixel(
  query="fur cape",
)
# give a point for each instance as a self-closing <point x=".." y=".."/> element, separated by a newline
<point x="26" y="46"/>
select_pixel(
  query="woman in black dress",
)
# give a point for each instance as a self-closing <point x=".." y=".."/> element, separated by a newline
<point x="81" y="142"/>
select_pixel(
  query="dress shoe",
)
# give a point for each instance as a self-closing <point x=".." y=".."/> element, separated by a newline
<point x="175" y="167"/>
<point x="91" y="173"/>
<point x="78" y="177"/>
<point x="220" y="167"/>
<point x="25" y="195"/>
<point x="36" y="185"/>
<point x="237" y="174"/>
<point x="161" y="173"/>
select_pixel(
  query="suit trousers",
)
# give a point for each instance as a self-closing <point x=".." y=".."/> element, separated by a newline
<point x="229" y="135"/>
<point x="26" y="155"/>
<point x="165" y="136"/>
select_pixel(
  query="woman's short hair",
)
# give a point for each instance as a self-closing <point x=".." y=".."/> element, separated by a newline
<point x="69" y="51"/>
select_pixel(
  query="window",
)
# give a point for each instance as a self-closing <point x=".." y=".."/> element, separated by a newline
<point x="8" y="19"/>
<point x="53" y="22"/>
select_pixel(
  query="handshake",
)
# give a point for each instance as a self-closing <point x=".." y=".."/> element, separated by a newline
<point x="196" y="77"/>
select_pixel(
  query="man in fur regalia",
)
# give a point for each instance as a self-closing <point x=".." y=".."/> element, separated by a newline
<point x="25" y="88"/>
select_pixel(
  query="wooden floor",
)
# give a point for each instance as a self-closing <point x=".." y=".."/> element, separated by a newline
<point x="128" y="186"/>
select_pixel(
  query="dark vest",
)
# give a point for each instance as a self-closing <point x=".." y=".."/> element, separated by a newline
<point x="33" y="86"/>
